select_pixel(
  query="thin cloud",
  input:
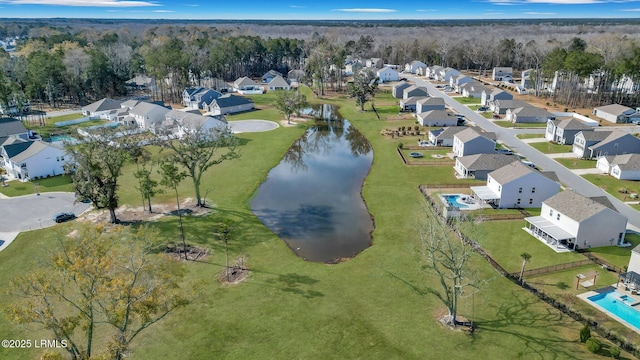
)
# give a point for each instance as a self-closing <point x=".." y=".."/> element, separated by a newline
<point x="163" y="11"/>
<point x="367" y="10"/>
<point x="538" y="13"/>
<point x="426" y="10"/>
<point x="297" y="6"/>
<point x="84" y="3"/>
<point x="630" y="10"/>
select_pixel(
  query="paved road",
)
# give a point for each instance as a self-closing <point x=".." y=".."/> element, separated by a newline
<point x="508" y="137"/>
<point x="23" y="213"/>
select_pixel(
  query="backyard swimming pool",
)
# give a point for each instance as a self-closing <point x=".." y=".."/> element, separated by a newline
<point x="61" y="138"/>
<point x="462" y="201"/>
<point x="618" y="306"/>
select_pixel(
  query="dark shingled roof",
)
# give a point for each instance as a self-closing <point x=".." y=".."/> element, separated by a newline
<point x="11" y="126"/>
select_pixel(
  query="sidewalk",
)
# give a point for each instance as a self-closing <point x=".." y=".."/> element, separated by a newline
<point x="587" y="171"/>
<point x="534" y="140"/>
<point x="562" y="155"/>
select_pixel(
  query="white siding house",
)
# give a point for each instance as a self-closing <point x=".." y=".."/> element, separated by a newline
<point x="28" y="160"/>
<point x="634" y="262"/>
<point x="470" y="142"/>
<point x="616" y="113"/>
<point x="500" y="73"/>
<point x="387" y="74"/>
<point x="436" y="118"/>
<point x="516" y="185"/>
<point x="572" y="221"/>
<point x="621" y="167"/>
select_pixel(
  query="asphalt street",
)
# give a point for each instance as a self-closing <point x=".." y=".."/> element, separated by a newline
<point x="29" y="212"/>
<point x="508" y="137"/>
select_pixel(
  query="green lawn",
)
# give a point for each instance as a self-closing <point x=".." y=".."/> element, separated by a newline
<point x="54" y="119"/>
<point x="467" y="100"/>
<point x="618" y="188"/>
<point x="616" y="255"/>
<point x="56" y="183"/>
<point x="378" y="305"/>
<point x="575" y="163"/>
<point x="505" y="240"/>
<point x="551" y="148"/>
<point x="509" y="124"/>
<point x="50" y="129"/>
<point x="530" y="136"/>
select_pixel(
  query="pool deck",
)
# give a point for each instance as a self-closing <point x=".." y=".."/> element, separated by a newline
<point x="620" y="289"/>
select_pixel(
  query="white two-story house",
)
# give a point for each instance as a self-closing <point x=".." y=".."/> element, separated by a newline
<point x="571" y="220"/>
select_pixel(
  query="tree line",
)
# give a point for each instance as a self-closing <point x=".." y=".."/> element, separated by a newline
<point x="56" y="65"/>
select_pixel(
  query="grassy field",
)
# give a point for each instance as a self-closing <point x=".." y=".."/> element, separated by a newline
<point x="50" y="129"/>
<point x="56" y="183"/>
<point x="530" y="136"/>
<point x="618" y="188"/>
<point x="551" y="148"/>
<point x="379" y="305"/>
<point x="617" y="255"/>
<point x="574" y="163"/>
<point x="467" y="100"/>
<point x="509" y="124"/>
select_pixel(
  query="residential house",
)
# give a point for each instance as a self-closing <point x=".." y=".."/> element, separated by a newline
<point x="489" y="97"/>
<point x="179" y="122"/>
<point x="500" y="73"/>
<point x="295" y="76"/>
<point x="446" y="74"/>
<point x="614" y="143"/>
<point x="100" y="107"/>
<point x="517" y="185"/>
<point x="15" y="107"/>
<point x="416" y="67"/>
<point x="571" y="220"/>
<point x="414" y="90"/>
<point x="270" y="75"/>
<point x="278" y="83"/>
<point x="526" y="79"/>
<point x="634" y="261"/>
<point x="375" y="63"/>
<point x="229" y="104"/>
<point x="398" y="89"/>
<point x="387" y="74"/>
<point x="470" y="142"/>
<point x="621" y="167"/>
<point x="501" y="106"/>
<point x="196" y="98"/>
<point x="616" y="113"/>
<point x="433" y="71"/>
<point x="478" y="166"/>
<point x="564" y="131"/>
<point x="244" y="85"/>
<point x="436" y="118"/>
<point x="27" y="160"/>
<point x="353" y="67"/>
<point x="528" y="114"/>
<point x="444" y="136"/>
<point x="12" y="127"/>
<point x="411" y="103"/>
<point x="429" y="103"/>
<point x="142" y="82"/>
<point x="473" y="89"/>
<point x="148" y="116"/>
<point x="456" y="81"/>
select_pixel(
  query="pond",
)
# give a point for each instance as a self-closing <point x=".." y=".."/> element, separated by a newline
<point x="312" y="199"/>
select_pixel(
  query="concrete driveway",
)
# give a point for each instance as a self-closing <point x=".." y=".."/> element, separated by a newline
<point x="29" y="212"/>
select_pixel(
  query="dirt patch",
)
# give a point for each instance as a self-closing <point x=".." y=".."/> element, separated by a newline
<point x="441" y="315"/>
<point x="177" y="252"/>
<point x="236" y="273"/>
<point x="131" y="214"/>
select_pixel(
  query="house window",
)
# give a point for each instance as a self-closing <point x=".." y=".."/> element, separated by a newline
<point x="57" y="158"/>
<point x="530" y="201"/>
<point x="518" y="202"/>
<point x="499" y="187"/>
<point x="551" y="212"/>
<point x="615" y="146"/>
<point x="519" y="190"/>
<point x="558" y="216"/>
<point x="533" y="190"/>
<point x="61" y="158"/>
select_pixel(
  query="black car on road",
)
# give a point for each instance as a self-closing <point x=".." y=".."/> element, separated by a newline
<point x="64" y="216"/>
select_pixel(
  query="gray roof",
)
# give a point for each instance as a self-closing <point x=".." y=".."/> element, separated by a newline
<point x="102" y="105"/>
<point x="188" y="119"/>
<point x="486" y="161"/>
<point x="401" y="85"/>
<point x="244" y="81"/>
<point x="434" y="114"/>
<point x="510" y="172"/>
<point x="551" y="175"/>
<point x="230" y="100"/>
<point x="295" y="74"/>
<point x="9" y="126"/>
<point x="615" y="109"/>
<point x="511" y="104"/>
<point x="412" y="100"/>
<point x="449" y="131"/>
<point x="148" y="110"/>
<point x="469" y="134"/>
<point x="615" y="136"/>
<point x="415" y="87"/>
<point x="531" y="111"/>
<point x="572" y="124"/>
<point x="278" y="81"/>
<point x="594" y="135"/>
<point x="271" y="73"/>
<point x="627" y="161"/>
<point x="431" y="101"/>
<point x="19" y="152"/>
<point x="575" y="206"/>
<point x="130" y="103"/>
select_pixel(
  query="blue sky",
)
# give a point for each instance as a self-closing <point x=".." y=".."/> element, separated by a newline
<point x="327" y="9"/>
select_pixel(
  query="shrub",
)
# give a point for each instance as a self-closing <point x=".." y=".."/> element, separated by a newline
<point x="400" y="145"/>
<point x="566" y="109"/>
<point x="403" y="128"/>
<point x="416" y="128"/>
<point x="548" y="103"/>
<point x="593" y="345"/>
<point x="399" y="128"/>
<point x="585" y="333"/>
<point x="614" y="352"/>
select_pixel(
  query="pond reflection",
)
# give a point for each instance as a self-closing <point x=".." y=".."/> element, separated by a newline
<point x="312" y="199"/>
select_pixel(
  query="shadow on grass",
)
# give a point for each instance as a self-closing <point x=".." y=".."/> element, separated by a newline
<point x="518" y="320"/>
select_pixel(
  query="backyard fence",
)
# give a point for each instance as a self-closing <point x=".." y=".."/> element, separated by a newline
<point x="425" y="162"/>
<point x="560" y="305"/>
<point x="553" y="268"/>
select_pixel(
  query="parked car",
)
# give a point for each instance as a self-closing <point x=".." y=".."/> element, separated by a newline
<point x="439" y="86"/>
<point x="636" y="122"/>
<point x="64" y="216"/>
<point x="424" y="143"/>
<point x="496" y="116"/>
<point x="483" y="108"/>
<point x="505" y="151"/>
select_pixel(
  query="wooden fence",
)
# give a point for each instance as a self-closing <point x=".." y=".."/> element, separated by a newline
<point x="425" y="162"/>
<point x="553" y="268"/>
